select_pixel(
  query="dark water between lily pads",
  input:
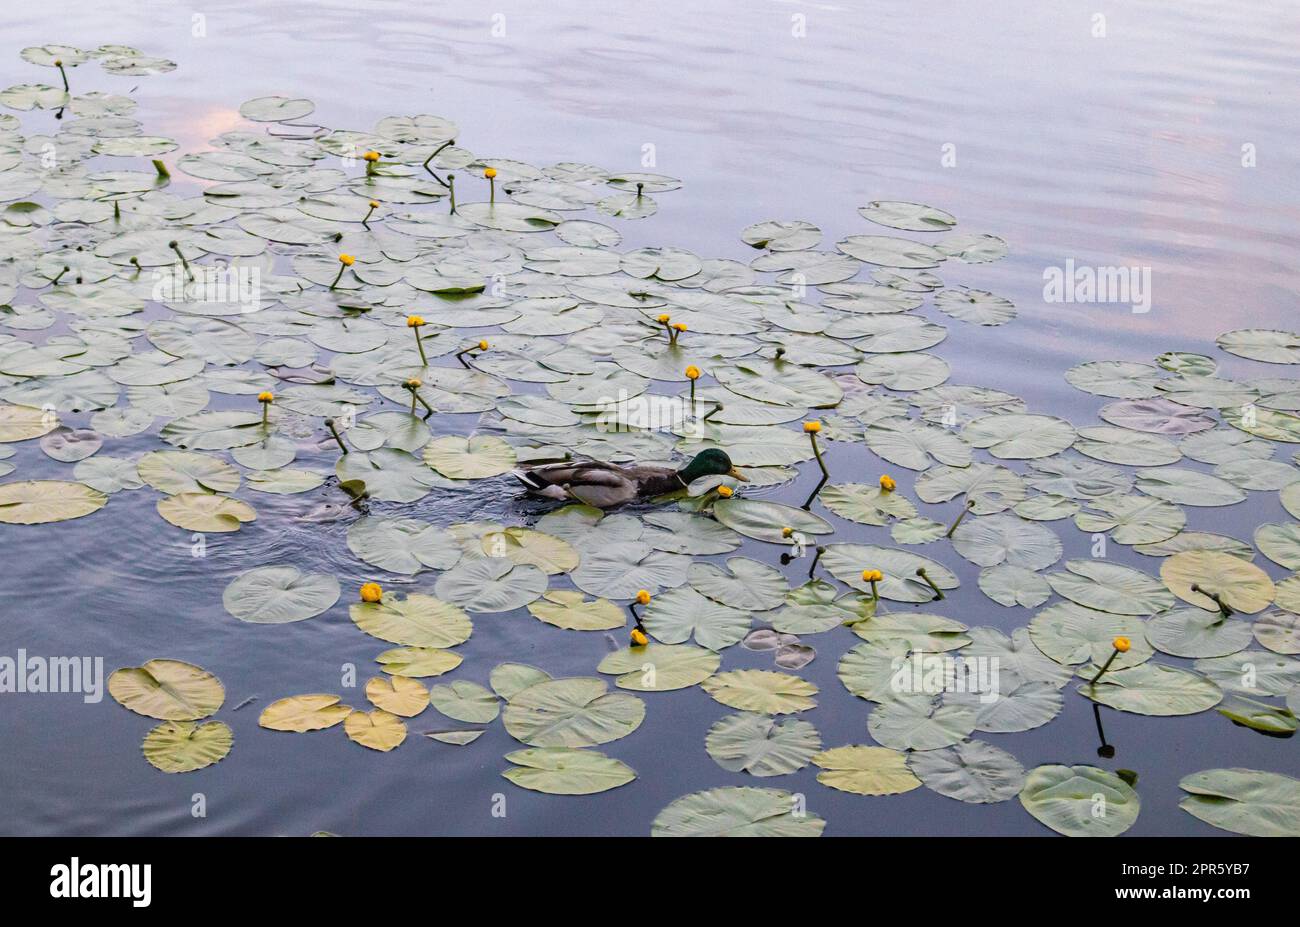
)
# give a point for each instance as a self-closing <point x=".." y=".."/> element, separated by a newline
<point x="1124" y="149"/>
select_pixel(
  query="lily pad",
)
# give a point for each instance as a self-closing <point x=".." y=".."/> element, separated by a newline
<point x="760" y="745"/>
<point x="280" y="594"/>
<point x="566" y="771"/>
<point x="1080" y="801"/>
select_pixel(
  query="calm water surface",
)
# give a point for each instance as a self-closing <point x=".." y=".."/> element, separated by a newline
<point x="1117" y="150"/>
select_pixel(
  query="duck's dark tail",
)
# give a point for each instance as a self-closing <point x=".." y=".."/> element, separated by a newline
<point x="541" y="487"/>
<point x="530" y="481"/>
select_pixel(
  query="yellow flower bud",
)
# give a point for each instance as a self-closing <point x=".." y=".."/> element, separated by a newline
<point x="692" y="372"/>
<point x="726" y="492"/>
<point x="371" y="156"/>
<point x="374" y="204"/>
<point x="483" y="345"/>
<point x="887" y="483"/>
<point x="414" y="383"/>
<point x="643" y="597"/>
<point x="372" y="592"/>
<point x="679" y="326"/>
<point x="1121" y="644"/>
<point x="490" y="172"/>
<point x="787" y="532"/>
<point x="812" y="427"/>
<point x="664" y="318"/>
<point x="638" y="638"/>
<point x="347" y="260"/>
<point x="414" y="321"/>
<point x="872" y="576"/>
<point x="266" y="397"/>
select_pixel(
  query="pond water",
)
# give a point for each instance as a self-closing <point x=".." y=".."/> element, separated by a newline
<point x="1166" y="143"/>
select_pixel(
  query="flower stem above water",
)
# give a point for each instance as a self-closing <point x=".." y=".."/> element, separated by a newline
<point x="811" y="429"/>
<point x="938" y="593"/>
<point x="970" y="504"/>
<point x="1225" y="611"/>
<point x="1121" y="645"/>
<point x="329" y="423"/>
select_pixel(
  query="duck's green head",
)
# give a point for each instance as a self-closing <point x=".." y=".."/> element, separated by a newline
<point x="711" y="462"/>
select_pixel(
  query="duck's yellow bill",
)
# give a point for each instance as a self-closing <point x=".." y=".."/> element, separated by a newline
<point x="737" y="475"/>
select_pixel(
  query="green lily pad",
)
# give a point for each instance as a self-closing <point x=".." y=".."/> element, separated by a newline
<point x="762" y="746"/>
<point x="971" y="771"/>
<point x="566" y="771"/>
<point x="1080" y="801"/>
<point x="1244" y="801"/>
<point x="576" y="712"/>
<point x="737" y="812"/>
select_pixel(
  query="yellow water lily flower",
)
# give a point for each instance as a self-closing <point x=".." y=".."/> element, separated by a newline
<point x="872" y="576"/>
<point x="638" y="638"/>
<point x="643" y="597"/>
<point x="812" y="427"/>
<point x="374" y="204"/>
<point x="787" y="532"/>
<point x="347" y="260"/>
<point x="490" y="172"/>
<point x="371" y="156"/>
<point x="679" y="326"/>
<point x="665" y="318"/>
<point x="1122" y="644"/>
<point x="414" y="383"/>
<point x="692" y="372"/>
<point x="483" y="345"/>
<point x="414" y="321"/>
<point x="265" y="398"/>
<point x="887" y="483"/>
<point x="372" y="592"/>
<point x="726" y="492"/>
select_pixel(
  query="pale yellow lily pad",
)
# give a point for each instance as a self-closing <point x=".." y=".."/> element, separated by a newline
<point x="764" y="691"/>
<point x="1241" y="585"/>
<point x="417" y="620"/>
<point x="170" y="690"/>
<point x="205" y="512"/>
<point x="866" y="770"/>
<point x="184" y="746"/>
<point x="20" y="423"/>
<point x="301" y="713"/>
<point x="418" y="661"/>
<point x="38" y="502"/>
<point x="378" y="729"/>
<point x="571" y="610"/>
<point x="398" y="695"/>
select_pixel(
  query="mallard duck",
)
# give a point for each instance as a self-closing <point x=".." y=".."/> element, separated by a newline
<point x="606" y="485"/>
